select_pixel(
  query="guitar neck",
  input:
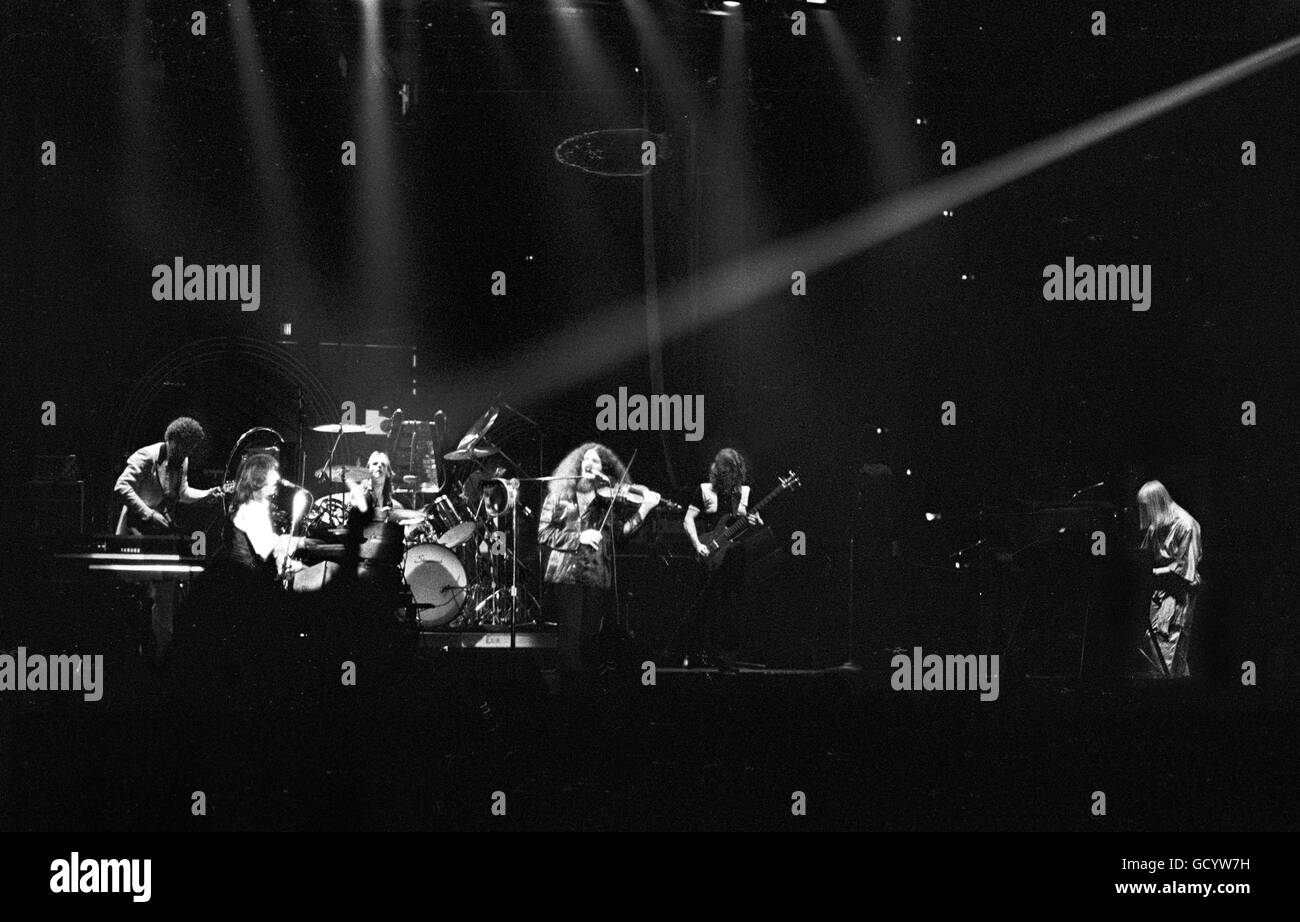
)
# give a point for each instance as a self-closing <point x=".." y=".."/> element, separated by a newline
<point x="736" y="528"/>
<point x="768" y="498"/>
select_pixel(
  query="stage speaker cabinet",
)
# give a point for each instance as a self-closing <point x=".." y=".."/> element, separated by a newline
<point x="51" y="509"/>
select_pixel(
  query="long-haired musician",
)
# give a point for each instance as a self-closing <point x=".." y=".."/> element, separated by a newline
<point x="255" y="547"/>
<point x="579" y="534"/>
<point x="1175" y="537"/>
<point x="711" y="622"/>
<point x="374" y="499"/>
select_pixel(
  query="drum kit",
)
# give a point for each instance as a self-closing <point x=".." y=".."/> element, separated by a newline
<point x="456" y="541"/>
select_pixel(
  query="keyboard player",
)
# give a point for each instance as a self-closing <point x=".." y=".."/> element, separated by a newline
<point x="155" y="480"/>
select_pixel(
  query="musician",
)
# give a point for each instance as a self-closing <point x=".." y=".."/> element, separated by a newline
<point x="155" y="480"/>
<point x="373" y="545"/>
<point x="1175" y="537"/>
<point x="245" y="633"/>
<point x="375" y="498"/>
<point x="579" y="565"/>
<point x="713" y="615"/>
<point x="255" y="549"/>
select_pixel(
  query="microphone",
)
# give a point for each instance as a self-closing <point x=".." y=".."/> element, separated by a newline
<point x="1075" y="494"/>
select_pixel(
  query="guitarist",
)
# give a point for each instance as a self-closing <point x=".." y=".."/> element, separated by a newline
<point x="715" y="610"/>
<point x="155" y="480"/>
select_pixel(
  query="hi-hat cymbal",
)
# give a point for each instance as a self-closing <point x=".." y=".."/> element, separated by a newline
<point x="345" y="428"/>
<point x="481" y="450"/>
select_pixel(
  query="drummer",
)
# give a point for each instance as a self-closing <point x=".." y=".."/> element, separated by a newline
<point x="374" y="498"/>
<point x="373" y="544"/>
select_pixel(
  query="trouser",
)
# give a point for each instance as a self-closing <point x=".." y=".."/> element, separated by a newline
<point x="1171" y="628"/>
<point x="161" y="599"/>
<point x="580" y="611"/>
<point x="711" y="621"/>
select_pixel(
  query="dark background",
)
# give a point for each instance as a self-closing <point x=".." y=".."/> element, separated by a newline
<point x="157" y="157"/>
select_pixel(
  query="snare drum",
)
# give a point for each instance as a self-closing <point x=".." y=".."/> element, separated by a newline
<point x="454" y="524"/>
<point x="437" y="582"/>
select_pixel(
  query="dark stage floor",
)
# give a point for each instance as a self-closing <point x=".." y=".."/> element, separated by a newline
<point x="425" y="738"/>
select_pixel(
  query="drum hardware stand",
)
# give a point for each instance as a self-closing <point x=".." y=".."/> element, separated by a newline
<point x="541" y="435"/>
<point x="329" y="462"/>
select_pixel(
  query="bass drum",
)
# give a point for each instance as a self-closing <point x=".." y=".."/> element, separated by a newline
<point x="437" y="582"/>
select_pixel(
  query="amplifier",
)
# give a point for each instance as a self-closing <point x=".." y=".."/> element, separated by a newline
<point x="54" y="469"/>
<point x="45" y="509"/>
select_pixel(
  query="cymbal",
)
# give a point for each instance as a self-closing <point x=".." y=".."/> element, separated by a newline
<point x="422" y="489"/>
<point x="338" y="473"/>
<point x="481" y="450"/>
<point x="407" y="516"/>
<point x="345" y="428"/>
<point x="481" y="426"/>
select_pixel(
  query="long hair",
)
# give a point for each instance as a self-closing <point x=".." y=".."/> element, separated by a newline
<point x="253" y="474"/>
<point x="1156" y="508"/>
<point x="728" y="472"/>
<point x="570" y="469"/>
<point x="386" y="491"/>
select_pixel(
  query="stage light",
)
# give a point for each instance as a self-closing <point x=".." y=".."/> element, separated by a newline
<point x="286" y="329"/>
<point x="731" y="4"/>
<point x="932" y="516"/>
<point x="909" y="472"/>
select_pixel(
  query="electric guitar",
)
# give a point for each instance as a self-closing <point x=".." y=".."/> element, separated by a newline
<point x="728" y="532"/>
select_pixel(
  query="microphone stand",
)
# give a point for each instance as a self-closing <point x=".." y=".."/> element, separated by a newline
<point x="536" y="425"/>
<point x="851" y="663"/>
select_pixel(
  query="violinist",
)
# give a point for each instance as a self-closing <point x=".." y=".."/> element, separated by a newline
<point x="579" y="526"/>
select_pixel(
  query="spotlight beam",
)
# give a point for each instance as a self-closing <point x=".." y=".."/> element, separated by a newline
<point x="578" y="354"/>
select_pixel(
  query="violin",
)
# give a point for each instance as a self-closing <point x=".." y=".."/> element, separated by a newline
<point x="634" y="493"/>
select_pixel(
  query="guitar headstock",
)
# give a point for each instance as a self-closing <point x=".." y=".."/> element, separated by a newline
<point x="790" y="481"/>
